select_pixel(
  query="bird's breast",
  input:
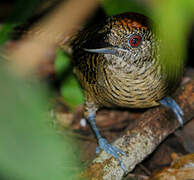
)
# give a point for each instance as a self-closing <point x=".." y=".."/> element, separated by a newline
<point x="130" y="86"/>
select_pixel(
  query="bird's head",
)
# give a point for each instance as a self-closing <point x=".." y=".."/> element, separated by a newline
<point x="127" y="36"/>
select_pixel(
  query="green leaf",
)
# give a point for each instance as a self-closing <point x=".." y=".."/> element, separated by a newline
<point x="174" y="20"/>
<point x="71" y="91"/>
<point x="62" y="62"/>
<point x="30" y="148"/>
<point x="5" y="32"/>
<point x="113" y="7"/>
<point x="70" y="88"/>
<point x="22" y="11"/>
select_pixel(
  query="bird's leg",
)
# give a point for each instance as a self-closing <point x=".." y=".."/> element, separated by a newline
<point x="102" y="142"/>
<point x="170" y="103"/>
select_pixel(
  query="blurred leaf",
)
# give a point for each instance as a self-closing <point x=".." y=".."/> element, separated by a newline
<point x="62" y="62"/>
<point x="71" y="91"/>
<point x="30" y="148"/>
<point x="119" y="6"/>
<point x="5" y="32"/>
<point x="70" y="88"/>
<point x="22" y="11"/>
<point x="174" y="19"/>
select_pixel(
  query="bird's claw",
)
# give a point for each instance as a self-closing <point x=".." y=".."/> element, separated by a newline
<point x="112" y="150"/>
<point x="97" y="149"/>
<point x="170" y="103"/>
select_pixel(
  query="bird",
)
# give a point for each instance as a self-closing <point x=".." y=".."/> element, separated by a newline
<point x="118" y="64"/>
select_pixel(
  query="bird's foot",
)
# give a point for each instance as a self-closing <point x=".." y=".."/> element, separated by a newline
<point x="170" y="103"/>
<point x="112" y="150"/>
<point x="103" y="144"/>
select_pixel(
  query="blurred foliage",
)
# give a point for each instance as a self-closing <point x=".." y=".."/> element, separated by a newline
<point x="30" y="148"/>
<point x="173" y="23"/>
<point x="70" y="88"/>
<point x="5" y="32"/>
<point x="22" y="11"/>
<point x="62" y="63"/>
<point x="113" y="7"/>
<point x="71" y="91"/>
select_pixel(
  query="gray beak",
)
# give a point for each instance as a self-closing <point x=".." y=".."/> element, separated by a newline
<point x="107" y="50"/>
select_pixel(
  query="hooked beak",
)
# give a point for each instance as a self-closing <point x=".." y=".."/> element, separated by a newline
<point x="108" y="50"/>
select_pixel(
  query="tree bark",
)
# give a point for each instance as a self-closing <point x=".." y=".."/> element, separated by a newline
<point x="143" y="136"/>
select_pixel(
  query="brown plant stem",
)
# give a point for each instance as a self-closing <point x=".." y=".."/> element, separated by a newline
<point x="143" y="136"/>
<point x="46" y="35"/>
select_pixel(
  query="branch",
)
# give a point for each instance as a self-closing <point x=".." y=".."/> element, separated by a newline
<point x="47" y="34"/>
<point x="143" y="136"/>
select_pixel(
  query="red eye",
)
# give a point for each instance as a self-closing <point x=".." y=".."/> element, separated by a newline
<point x="134" y="40"/>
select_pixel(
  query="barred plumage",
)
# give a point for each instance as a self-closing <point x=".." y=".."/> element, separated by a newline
<point x="133" y="77"/>
<point x="118" y="64"/>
